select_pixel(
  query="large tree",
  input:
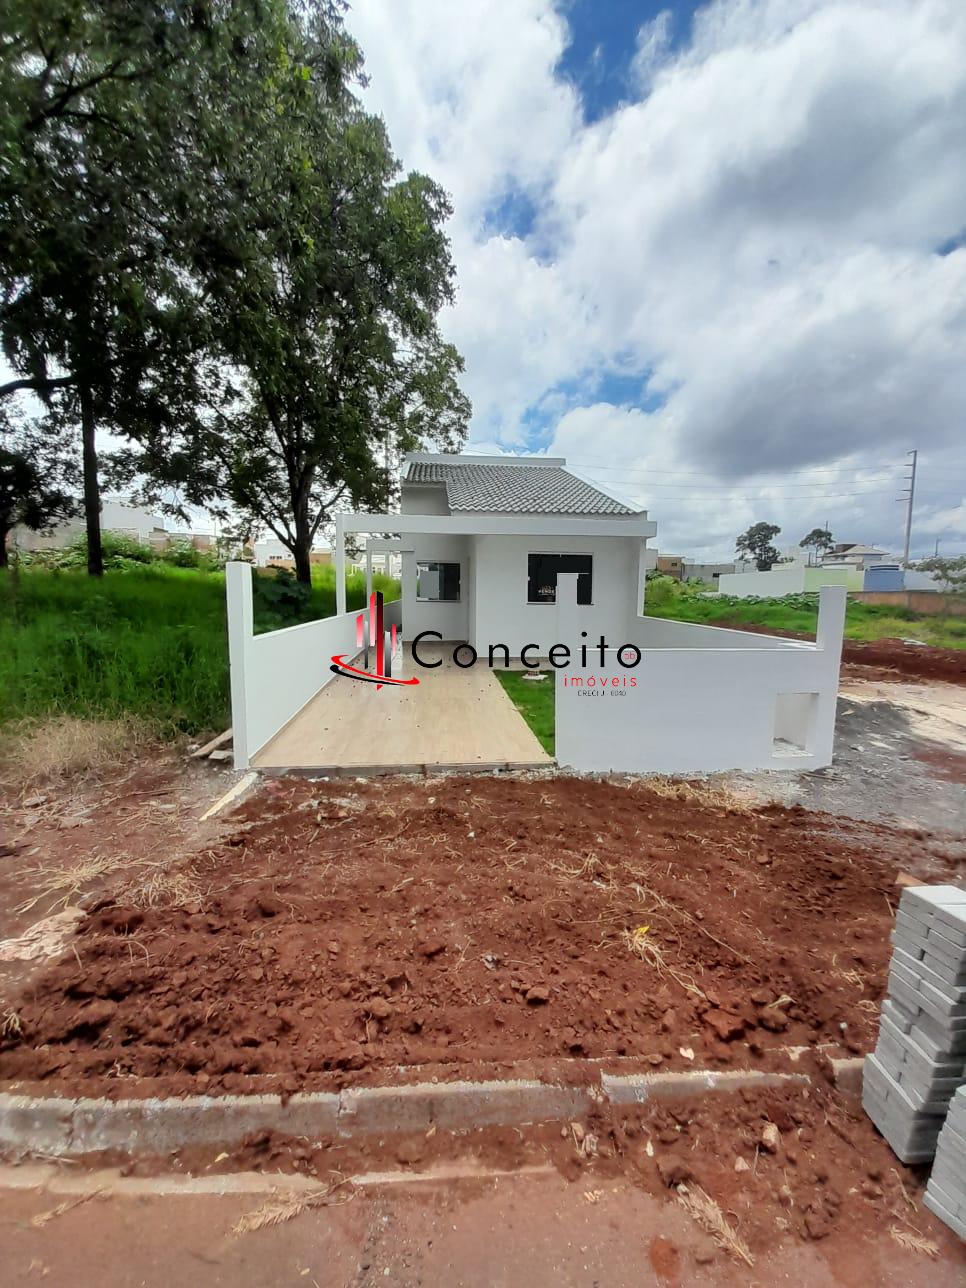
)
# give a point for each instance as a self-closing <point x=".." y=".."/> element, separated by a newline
<point x="324" y="288"/>
<point x="818" y="540"/>
<point x="208" y="247"/>
<point x="95" y="209"/>
<point x="756" y="544"/>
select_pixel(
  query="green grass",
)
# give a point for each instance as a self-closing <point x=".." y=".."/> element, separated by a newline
<point x="148" y="641"/>
<point x="534" y="701"/>
<point x="800" y="613"/>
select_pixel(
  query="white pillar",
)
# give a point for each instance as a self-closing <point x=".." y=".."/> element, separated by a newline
<point x="241" y="630"/>
<point x="641" y="581"/>
<point x="831" y="620"/>
<point x="339" y="566"/>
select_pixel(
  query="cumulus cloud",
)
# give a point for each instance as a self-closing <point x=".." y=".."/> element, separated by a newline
<point x="756" y="234"/>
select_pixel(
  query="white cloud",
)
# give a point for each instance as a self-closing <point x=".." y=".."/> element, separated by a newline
<point x="755" y="234"/>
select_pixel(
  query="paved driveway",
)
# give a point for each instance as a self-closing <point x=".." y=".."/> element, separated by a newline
<point x="453" y="717"/>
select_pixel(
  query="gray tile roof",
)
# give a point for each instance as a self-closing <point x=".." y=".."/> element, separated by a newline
<point x="514" y="489"/>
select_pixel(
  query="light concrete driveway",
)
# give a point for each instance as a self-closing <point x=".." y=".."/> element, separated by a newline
<point x="455" y="717"/>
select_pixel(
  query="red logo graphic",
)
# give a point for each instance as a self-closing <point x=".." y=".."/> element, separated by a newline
<point x="374" y="638"/>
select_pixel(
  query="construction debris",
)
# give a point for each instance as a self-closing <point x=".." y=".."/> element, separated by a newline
<point x="919" y="1060"/>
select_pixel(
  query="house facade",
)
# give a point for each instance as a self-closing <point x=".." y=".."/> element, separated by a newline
<point x="498" y="531"/>
<point x="519" y="563"/>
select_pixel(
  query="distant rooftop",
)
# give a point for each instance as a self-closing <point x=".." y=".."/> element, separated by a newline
<point x="510" y="485"/>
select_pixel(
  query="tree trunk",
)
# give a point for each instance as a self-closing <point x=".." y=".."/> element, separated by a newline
<point x="303" y="542"/>
<point x="303" y="564"/>
<point x="92" y="491"/>
<point x="4" y="533"/>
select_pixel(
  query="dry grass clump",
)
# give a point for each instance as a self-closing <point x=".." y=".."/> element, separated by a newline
<point x="913" y="1242"/>
<point x="35" y="752"/>
<point x="63" y="885"/>
<point x="279" y="1210"/>
<point x="163" y="887"/>
<point x="702" y="1208"/>
<point x="643" y="944"/>
<point x="710" y="795"/>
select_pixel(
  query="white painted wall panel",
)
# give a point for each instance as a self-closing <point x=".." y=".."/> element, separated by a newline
<point x="503" y="615"/>
<point x="700" y="709"/>
<point x="275" y="674"/>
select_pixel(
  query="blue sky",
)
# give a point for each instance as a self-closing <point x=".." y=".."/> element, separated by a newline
<point x="602" y="44"/>
<point x="712" y="253"/>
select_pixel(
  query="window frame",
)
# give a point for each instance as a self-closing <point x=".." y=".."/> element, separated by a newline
<point x="441" y="563"/>
<point x="560" y="554"/>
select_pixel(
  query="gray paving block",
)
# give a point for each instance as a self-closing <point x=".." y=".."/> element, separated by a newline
<point x="956" y="1224"/>
<point x="931" y="899"/>
<point x="913" y="946"/>
<point x="946" y="939"/>
<point x="953" y="976"/>
<point x="949" y="1198"/>
<point x="899" y="1016"/>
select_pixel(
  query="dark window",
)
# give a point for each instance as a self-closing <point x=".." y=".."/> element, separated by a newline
<point x="438" y="581"/>
<point x="542" y="573"/>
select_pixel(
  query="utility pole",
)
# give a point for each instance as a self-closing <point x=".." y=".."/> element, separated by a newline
<point x="909" y="498"/>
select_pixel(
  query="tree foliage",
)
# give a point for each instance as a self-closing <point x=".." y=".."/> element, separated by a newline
<point x="209" y="250"/>
<point x="818" y="540"/>
<point x="950" y="570"/>
<point x="756" y="544"/>
<point x="38" y="475"/>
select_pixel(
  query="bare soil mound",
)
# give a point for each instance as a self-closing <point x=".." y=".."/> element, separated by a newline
<point x="461" y="923"/>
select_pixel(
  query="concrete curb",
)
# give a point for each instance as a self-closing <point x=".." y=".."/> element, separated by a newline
<point x="61" y="1128"/>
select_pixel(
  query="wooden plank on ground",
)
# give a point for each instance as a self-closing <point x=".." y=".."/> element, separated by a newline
<point x="209" y="747"/>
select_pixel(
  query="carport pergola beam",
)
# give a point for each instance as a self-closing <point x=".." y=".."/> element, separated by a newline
<point x="481" y="525"/>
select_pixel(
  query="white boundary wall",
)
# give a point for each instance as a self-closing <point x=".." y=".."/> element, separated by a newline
<point x="790" y="580"/>
<point x="705" y="699"/>
<point x="274" y="675"/>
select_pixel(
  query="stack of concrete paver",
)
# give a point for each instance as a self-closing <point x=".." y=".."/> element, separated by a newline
<point x="946" y="1192"/>
<point x="920" y="1058"/>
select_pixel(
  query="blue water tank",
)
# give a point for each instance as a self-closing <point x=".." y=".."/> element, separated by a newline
<point x="884" y="577"/>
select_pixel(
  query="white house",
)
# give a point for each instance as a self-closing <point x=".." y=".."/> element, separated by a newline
<point x="519" y="562"/>
<point x="484" y="538"/>
<point x="269" y="552"/>
<point x="854" y="555"/>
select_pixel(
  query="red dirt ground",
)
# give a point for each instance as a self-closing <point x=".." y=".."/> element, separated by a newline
<point x="458" y="925"/>
<point x="885" y="659"/>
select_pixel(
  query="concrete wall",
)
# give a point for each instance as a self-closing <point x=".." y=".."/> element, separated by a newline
<point x="850" y="578"/>
<point x="275" y="674"/>
<point x="702" y="700"/>
<point x="789" y="579"/>
<point x="502" y="614"/>
<point x="918" y="601"/>
<point x="661" y="632"/>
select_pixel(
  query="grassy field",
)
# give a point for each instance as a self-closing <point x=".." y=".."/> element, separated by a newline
<point x="800" y="613"/>
<point x="534" y="701"/>
<point x="149" y="641"/>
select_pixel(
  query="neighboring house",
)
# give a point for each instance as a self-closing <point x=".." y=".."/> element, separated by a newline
<point x="386" y="562"/>
<point x="707" y="572"/>
<point x="671" y="566"/>
<point x="272" y="553"/>
<point x="849" y="555"/>
<point x="117" y="516"/>
<point x="518" y="561"/>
